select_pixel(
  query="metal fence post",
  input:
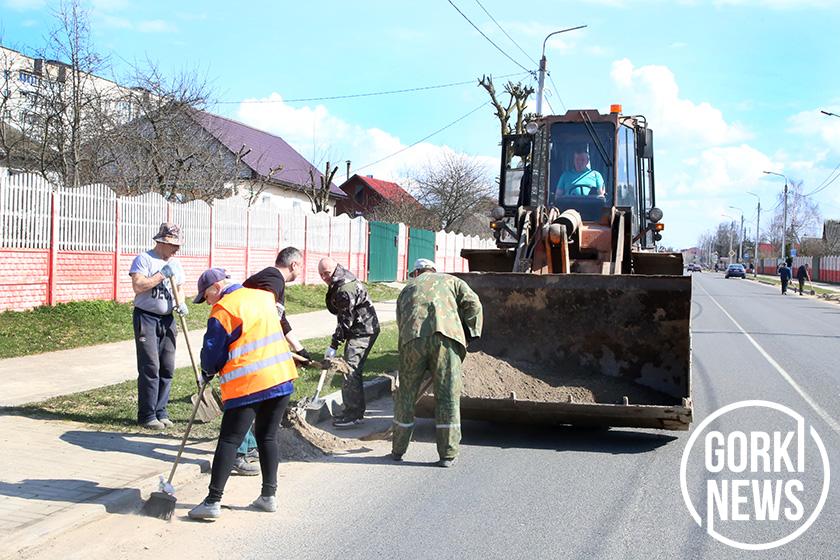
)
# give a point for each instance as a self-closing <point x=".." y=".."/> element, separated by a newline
<point x="53" y="259"/>
<point x="117" y="248"/>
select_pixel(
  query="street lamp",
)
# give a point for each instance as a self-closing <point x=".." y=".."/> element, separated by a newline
<point x="741" y="242"/>
<point x="731" y="227"/>
<point x="541" y="83"/>
<point x="829" y="113"/>
<point x="784" y="213"/>
<point x="757" y="234"/>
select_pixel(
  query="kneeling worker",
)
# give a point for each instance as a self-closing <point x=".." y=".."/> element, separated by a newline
<point x="437" y="316"/>
<point x="244" y="345"/>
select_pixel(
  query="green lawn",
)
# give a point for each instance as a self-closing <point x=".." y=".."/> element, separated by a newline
<point x="114" y="408"/>
<point x="85" y="323"/>
<point x="793" y="286"/>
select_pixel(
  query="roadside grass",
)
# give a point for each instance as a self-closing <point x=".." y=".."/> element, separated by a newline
<point x="793" y="285"/>
<point x="85" y="323"/>
<point x="114" y="408"/>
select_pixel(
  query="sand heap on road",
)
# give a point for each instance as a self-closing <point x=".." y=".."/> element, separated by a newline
<point x="486" y="376"/>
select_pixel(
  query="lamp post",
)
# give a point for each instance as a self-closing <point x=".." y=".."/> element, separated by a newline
<point x="784" y="213"/>
<point x="731" y="227"/>
<point x="829" y="113"/>
<point x="541" y="81"/>
<point x="757" y="234"/>
<point x="741" y="234"/>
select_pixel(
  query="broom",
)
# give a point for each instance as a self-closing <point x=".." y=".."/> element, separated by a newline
<point x="161" y="504"/>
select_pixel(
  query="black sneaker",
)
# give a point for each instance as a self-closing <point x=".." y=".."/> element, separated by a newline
<point x="346" y="421"/>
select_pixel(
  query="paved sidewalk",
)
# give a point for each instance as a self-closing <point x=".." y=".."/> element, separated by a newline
<point x="39" y="377"/>
<point x="60" y="475"/>
<point x="795" y="283"/>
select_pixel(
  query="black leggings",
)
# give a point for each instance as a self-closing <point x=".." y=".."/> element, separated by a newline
<point x="266" y="416"/>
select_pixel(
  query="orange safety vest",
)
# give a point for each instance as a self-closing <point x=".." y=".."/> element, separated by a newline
<point x="260" y="358"/>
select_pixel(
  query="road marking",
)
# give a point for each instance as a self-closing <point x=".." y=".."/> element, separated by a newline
<point x="832" y="423"/>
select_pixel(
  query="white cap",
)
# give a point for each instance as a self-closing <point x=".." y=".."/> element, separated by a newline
<point x="423" y="264"/>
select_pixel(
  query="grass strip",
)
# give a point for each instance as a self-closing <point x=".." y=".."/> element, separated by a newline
<point x="86" y="323"/>
<point x="114" y="408"/>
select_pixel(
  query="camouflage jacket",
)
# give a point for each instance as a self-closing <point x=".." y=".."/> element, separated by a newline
<point x="347" y="298"/>
<point x="434" y="302"/>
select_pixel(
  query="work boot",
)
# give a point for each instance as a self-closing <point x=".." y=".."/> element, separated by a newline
<point x="167" y="423"/>
<point x="153" y="424"/>
<point x="244" y="468"/>
<point x="206" y="510"/>
<point x="265" y="503"/>
<point x="347" y="421"/>
<point x="446" y="463"/>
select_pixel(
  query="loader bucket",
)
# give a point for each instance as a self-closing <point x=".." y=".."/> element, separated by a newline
<point x="581" y="349"/>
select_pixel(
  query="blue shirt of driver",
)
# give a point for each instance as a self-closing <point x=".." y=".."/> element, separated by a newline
<point x="570" y="179"/>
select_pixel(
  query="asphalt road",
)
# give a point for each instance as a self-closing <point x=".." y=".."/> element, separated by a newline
<point x="567" y="493"/>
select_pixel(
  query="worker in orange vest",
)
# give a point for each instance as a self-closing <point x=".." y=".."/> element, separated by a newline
<point x="245" y="346"/>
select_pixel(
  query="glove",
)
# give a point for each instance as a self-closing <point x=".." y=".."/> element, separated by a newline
<point x="182" y="310"/>
<point x="167" y="271"/>
<point x="206" y="378"/>
<point x="330" y="353"/>
<point x="304" y="354"/>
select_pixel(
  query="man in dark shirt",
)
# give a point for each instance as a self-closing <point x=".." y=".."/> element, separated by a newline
<point x="784" y="276"/>
<point x="802" y="274"/>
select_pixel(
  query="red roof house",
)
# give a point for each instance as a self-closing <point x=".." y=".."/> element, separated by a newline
<point x="364" y="193"/>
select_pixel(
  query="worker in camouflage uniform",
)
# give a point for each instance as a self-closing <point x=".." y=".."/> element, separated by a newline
<point x="437" y="316"/>
<point x="358" y="325"/>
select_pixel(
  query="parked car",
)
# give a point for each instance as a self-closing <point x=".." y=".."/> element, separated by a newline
<point x="694" y="267"/>
<point x="736" y="270"/>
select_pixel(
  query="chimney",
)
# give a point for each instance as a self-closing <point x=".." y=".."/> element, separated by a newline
<point x="348" y="170"/>
<point x="38" y="66"/>
<point x="370" y="176"/>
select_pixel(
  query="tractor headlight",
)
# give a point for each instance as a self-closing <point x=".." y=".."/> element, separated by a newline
<point x="497" y="213"/>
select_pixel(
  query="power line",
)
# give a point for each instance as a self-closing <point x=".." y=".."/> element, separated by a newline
<point x="488" y="38"/>
<point x="560" y="99"/>
<point x="355" y="95"/>
<point x="456" y="121"/>
<point x="506" y="33"/>
<point x="826" y="182"/>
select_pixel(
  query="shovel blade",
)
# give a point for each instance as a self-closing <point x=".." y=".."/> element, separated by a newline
<point x="209" y="408"/>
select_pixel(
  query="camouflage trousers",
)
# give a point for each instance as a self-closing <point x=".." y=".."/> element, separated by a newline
<point x="356" y="351"/>
<point x="442" y="357"/>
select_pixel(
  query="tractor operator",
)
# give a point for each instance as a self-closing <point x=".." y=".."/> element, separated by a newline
<point x="582" y="180"/>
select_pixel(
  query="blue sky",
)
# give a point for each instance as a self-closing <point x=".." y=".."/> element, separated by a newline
<point x="730" y="87"/>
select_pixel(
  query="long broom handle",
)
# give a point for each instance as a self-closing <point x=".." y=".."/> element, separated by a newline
<point x="320" y="384"/>
<point x="186" y="435"/>
<point x="177" y="297"/>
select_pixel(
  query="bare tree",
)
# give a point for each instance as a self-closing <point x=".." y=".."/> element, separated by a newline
<point x="456" y="192"/>
<point x="803" y="217"/>
<point x="318" y="190"/>
<point x="516" y="103"/>
<point x="407" y="211"/>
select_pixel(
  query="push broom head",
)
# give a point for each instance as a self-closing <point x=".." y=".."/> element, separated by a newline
<point x="160" y="505"/>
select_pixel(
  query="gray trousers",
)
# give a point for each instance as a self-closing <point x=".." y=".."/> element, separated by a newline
<point x="356" y="351"/>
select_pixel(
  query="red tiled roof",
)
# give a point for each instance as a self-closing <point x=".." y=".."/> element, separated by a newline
<point x="388" y="191"/>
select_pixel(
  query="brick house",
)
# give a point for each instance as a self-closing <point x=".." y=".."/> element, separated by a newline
<point x="364" y="194"/>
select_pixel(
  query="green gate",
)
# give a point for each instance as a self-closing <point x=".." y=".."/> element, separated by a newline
<point x="382" y="257"/>
<point x="421" y="245"/>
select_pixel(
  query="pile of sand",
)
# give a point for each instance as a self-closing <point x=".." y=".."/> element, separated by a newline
<point x="486" y="376"/>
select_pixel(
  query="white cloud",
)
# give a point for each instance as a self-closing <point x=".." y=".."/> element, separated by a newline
<point x="729" y="169"/>
<point x="653" y="91"/>
<point x="22" y="5"/>
<point x="814" y="125"/>
<point x="779" y="4"/>
<point x="319" y="135"/>
<point x="156" y="26"/>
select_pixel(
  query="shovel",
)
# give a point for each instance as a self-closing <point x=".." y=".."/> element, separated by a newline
<point x="210" y="406"/>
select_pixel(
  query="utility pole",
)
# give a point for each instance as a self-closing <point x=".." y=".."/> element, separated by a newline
<point x="741" y="244"/>
<point x="784" y="214"/>
<point x="541" y="79"/>
<point x="757" y="234"/>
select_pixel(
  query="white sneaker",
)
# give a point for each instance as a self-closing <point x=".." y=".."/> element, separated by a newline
<point x="206" y="510"/>
<point x="266" y="503"/>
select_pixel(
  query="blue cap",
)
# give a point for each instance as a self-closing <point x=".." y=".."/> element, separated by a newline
<point x="207" y="279"/>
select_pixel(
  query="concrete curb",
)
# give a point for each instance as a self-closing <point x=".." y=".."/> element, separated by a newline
<point x="332" y="403"/>
<point x="125" y="501"/>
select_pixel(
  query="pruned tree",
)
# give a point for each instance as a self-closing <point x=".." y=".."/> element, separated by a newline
<point x="516" y="103"/>
<point x="318" y="190"/>
<point x="457" y="193"/>
<point x="407" y="211"/>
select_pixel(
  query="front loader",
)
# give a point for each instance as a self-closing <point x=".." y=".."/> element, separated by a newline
<point x="593" y="319"/>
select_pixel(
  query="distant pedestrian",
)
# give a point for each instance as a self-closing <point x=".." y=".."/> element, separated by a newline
<point x="784" y="276"/>
<point x="244" y="345"/>
<point x="437" y="316"/>
<point x="802" y="274"/>
<point x="348" y="299"/>
<point x="154" y="326"/>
